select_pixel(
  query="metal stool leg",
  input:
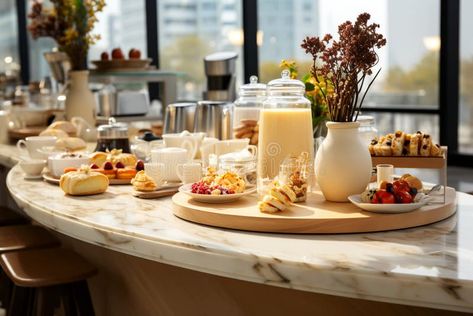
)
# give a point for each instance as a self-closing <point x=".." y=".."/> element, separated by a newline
<point x="19" y="301"/>
<point x="81" y="295"/>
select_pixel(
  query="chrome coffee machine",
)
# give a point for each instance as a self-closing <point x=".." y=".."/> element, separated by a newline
<point x="221" y="79"/>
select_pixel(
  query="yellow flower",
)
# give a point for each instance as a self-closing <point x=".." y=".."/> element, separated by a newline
<point x="70" y="34"/>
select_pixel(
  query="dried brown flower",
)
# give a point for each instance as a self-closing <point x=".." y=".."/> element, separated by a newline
<point x="345" y="63"/>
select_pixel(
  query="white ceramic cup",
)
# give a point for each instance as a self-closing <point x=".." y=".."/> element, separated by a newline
<point x="142" y="149"/>
<point x="170" y="157"/>
<point x="33" y="167"/>
<point x="33" y="144"/>
<point x="189" y="141"/>
<point x="230" y="146"/>
<point x="189" y="172"/>
<point x="156" y="171"/>
<point x="384" y="172"/>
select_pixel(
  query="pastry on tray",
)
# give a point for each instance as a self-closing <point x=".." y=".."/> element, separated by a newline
<point x="108" y="170"/>
<point x="401" y="144"/>
<point x="126" y="173"/>
<point x="278" y="199"/>
<point x="83" y="182"/>
<point x="98" y="158"/>
<point x="116" y="155"/>
<point x="143" y="182"/>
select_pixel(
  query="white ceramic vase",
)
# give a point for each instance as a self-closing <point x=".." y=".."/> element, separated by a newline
<point x="343" y="162"/>
<point x="80" y="101"/>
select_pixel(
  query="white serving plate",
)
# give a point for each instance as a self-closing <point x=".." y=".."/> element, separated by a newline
<point x="207" y="198"/>
<point x="386" y="208"/>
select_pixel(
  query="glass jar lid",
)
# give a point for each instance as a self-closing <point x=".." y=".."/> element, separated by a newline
<point x="253" y="89"/>
<point x="113" y="129"/>
<point x="285" y="85"/>
<point x="365" y="120"/>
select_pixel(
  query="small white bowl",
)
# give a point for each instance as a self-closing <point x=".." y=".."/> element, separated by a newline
<point x="57" y="163"/>
<point x="33" y="167"/>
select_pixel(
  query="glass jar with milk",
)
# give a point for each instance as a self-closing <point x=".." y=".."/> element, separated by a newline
<point x="285" y="128"/>
<point x="246" y="110"/>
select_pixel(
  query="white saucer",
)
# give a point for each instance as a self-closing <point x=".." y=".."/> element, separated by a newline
<point x="26" y="177"/>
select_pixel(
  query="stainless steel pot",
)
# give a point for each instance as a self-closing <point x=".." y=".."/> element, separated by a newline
<point x="214" y="118"/>
<point x="220" y="64"/>
<point x="179" y="117"/>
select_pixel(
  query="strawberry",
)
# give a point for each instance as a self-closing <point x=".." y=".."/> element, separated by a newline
<point x="383" y="197"/>
<point x="119" y="165"/>
<point x="401" y="185"/>
<point x="108" y="166"/>
<point x="94" y="166"/>
<point x="403" y="197"/>
<point x="140" y="165"/>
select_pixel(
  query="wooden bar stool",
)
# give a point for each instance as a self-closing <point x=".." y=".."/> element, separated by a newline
<point x="10" y="217"/>
<point x="21" y="237"/>
<point x="43" y="278"/>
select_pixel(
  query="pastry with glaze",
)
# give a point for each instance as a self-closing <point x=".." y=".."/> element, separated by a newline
<point x="143" y="182"/>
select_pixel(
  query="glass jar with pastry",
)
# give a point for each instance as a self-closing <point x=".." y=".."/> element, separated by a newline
<point x="247" y="109"/>
<point x="294" y="172"/>
<point x="285" y="128"/>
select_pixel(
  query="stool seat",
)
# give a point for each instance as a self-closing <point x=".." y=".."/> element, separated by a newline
<point x="19" y="237"/>
<point x="10" y="217"/>
<point x="45" y="267"/>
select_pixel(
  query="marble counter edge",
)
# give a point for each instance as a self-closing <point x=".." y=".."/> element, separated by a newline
<point x="259" y="269"/>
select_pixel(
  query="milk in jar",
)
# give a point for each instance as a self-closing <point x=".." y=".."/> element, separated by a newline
<point x="285" y="128"/>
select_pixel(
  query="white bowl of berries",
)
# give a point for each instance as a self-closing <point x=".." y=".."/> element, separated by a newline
<point x="396" y="197"/>
<point x="208" y="193"/>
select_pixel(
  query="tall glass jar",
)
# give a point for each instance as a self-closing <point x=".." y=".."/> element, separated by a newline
<point x="246" y="110"/>
<point x="367" y="129"/>
<point x="285" y="128"/>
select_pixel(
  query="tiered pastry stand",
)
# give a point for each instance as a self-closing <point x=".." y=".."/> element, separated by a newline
<point x="439" y="163"/>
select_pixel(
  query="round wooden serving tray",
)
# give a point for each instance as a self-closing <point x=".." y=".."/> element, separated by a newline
<point x="313" y="216"/>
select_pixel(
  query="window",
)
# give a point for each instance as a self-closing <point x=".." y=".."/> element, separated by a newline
<point x="216" y="26"/>
<point x="121" y="24"/>
<point x="9" y="56"/>
<point x="282" y="26"/>
<point x="465" y="124"/>
<point x="409" y="63"/>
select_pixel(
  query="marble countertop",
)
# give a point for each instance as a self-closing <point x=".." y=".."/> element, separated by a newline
<point x="428" y="266"/>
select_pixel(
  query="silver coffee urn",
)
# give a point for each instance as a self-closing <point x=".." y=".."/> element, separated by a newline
<point x="220" y="70"/>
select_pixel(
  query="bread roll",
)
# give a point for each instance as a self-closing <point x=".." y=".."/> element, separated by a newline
<point x="70" y="144"/>
<point x="66" y="126"/>
<point x="59" y="133"/>
<point x="83" y="182"/>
